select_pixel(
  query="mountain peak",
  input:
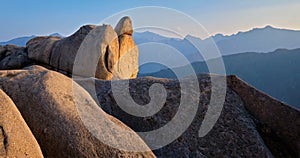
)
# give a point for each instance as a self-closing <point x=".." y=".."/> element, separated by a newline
<point x="268" y="27"/>
<point x="190" y="37"/>
<point x="56" y="35"/>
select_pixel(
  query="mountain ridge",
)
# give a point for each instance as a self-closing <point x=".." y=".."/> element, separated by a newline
<point x="276" y="73"/>
<point x="262" y="40"/>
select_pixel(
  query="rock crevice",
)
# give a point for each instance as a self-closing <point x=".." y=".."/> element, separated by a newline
<point x="3" y="142"/>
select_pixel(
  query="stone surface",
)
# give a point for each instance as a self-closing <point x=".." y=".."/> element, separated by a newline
<point x="16" y="139"/>
<point x="65" y="50"/>
<point x="2" y="50"/>
<point x="40" y="48"/>
<point x="56" y="51"/>
<point x="119" y="54"/>
<point x="127" y="66"/>
<point x="251" y="124"/>
<point x="278" y="123"/>
<point x="124" y="26"/>
<point x="234" y="135"/>
<point x="13" y="57"/>
<point x="100" y="50"/>
<point x="47" y="103"/>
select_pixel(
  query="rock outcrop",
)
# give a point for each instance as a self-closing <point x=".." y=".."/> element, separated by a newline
<point x="57" y="52"/>
<point x="39" y="48"/>
<point x="247" y="126"/>
<point x="238" y="131"/>
<point x="114" y="46"/>
<point x="45" y="100"/>
<point x="277" y="122"/>
<point x="16" y="139"/>
<point x="234" y="135"/>
<point x="13" y="57"/>
<point x="127" y="66"/>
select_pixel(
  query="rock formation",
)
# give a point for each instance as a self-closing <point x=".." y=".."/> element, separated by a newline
<point x="13" y="57"/>
<point x="60" y="53"/>
<point x="277" y="122"/>
<point x="45" y="100"/>
<point x="128" y="52"/>
<point x="237" y="133"/>
<point x="234" y="135"/>
<point x="39" y="48"/>
<point x="57" y="52"/>
<point x="16" y="139"/>
<point x="251" y="124"/>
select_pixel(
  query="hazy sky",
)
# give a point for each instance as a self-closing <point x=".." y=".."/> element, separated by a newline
<point x="28" y="17"/>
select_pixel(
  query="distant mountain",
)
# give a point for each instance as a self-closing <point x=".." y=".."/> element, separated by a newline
<point x="260" y="40"/>
<point x="276" y="73"/>
<point x="184" y="46"/>
<point x="163" y="45"/>
<point x="147" y="36"/>
<point x="56" y="35"/>
<point x="265" y="39"/>
<point x="21" y="41"/>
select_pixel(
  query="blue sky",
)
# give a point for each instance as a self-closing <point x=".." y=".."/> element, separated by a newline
<point x="20" y="17"/>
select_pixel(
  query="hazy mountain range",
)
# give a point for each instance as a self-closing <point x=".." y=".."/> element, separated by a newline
<point x="276" y="73"/>
<point x="265" y="39"/>
<point x="21" y="41"/>
<point x="261" y="40"/>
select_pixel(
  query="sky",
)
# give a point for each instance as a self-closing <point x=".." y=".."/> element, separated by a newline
<point x="36" y="17"/>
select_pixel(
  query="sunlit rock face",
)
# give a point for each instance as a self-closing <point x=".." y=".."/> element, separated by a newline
<point x="115" y="50"/>
<point x="54" y="114"/>
<point x="127" y="66"/>
<point x="16" y="139"/>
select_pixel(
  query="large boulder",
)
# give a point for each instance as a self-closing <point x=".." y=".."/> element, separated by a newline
<point x="234" y="134"/>
<point x="57" y="52"/>
<point x="13" y="57"/>
<point x="251" y="124"/>
<point x="113" y="45"/>
<point x="16" y="139"/>
<point x="47" y="103"/>
<point x="64" y="51"/>
<point x="41" y="44"/>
